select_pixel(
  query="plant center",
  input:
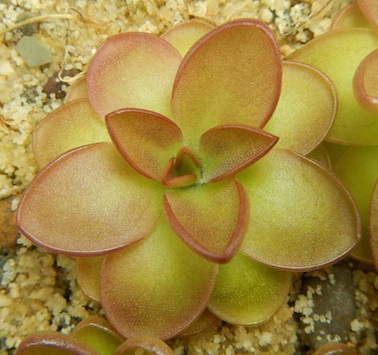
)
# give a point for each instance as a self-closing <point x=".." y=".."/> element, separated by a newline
<point x="183" y="170"/>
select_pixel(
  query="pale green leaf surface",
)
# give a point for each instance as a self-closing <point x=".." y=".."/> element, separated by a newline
<point x="358" y="170"/>
<point x="134" y="70"/>
<point x="232" y="75"/>
<point x="301" y="217"/>
<point x="183" y="35"/>
<point x="70" y="126"/>
<point x="89" y="202"/>
<point x="338" y="54"/>
<point x="306" y="108"/>
<point x="156" y="287"/>
<point x="247" y="292"/>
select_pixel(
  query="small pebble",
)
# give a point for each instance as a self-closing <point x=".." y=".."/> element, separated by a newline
<point x="55" y="86"/>
<point x="30" y="29"/>
<point x="33" y="51"/>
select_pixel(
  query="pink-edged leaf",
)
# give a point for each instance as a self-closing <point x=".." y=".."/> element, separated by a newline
<point x="370" y="10"/>
<point x="306" y="109"/>
<point x="373" y="224"/>
<point x="225" y="150"/>
<point x="53" y="343"/>
<point x="88" y="275"/>
<point x="183" y="35"/>
<point x="211" y="219"/>
<point x="204" y="322"/>
<point x="365" y="82"/>
<point x="153" y="346"/>
<point x="350" y="16"/>
<point x="301" y="216"/>
<point x="247" y="292"/>
<point x="147" y="140"/>
<point x="78" y="90"/>
<point x="88" y="202"/>
<point x="70" y="126"/>
<point x="232" y="75"/>
<point x="156" y="287"/>
<point x="353" y="125"/>
<point x="181" y="171"/>
<point x="99" y="334"/>
<point x="132" y="70"/>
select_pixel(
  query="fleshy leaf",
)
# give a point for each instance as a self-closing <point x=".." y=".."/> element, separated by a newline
<point x="205" y="321"/>
<point x="353" y="125"/>
<point x="365" y="82"/>
<point x="78" y="90"/>
<point x="370" y="10"/>
<point x="306" y="109"/>
<point x="247" y="292"/>
<point x="88" y="275"/>
<point x="301" y="216"/>
<point x="70" y="126"/>
<point x="183" y="35"/>
<point x="374" y="224"/>
<point x="358" y="170"/>
<point x="156" y="287"/>
<point x="98" y="334"/>
<point x="88" y="202"/>
<point x="211" y="219"/>
<point x="232" y="75"/>
<point x="147" y="345"/>
<point x="147" y="140"/>
<point x="132" y="70"/>
<point x="350" y="17"/>
<point x="183" y="170"/>
<point x="225" y="150"/>
<point x="52" y="343"/>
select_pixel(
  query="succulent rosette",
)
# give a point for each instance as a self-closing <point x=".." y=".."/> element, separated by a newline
<point x="164" y="185"/>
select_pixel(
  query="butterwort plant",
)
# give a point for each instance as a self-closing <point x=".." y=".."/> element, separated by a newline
<point x="179" y="178"/>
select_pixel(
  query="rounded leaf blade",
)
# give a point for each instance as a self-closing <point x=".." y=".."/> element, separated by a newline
<point x="232" y="75"/>
<point x="353" y="125"/>
<point x="247" y="292"/>
<point x="306" y="108"/>
<point x="145" y="139"/>
<point x="157" y="287"/>
<point x="301" y="216"/>
<point x="88" y="202"/>
<point x="132" y="70"/>
<point x="70" y="126"/>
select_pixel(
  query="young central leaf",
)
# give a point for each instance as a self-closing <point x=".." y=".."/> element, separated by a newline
<point x="182" y="171"/>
